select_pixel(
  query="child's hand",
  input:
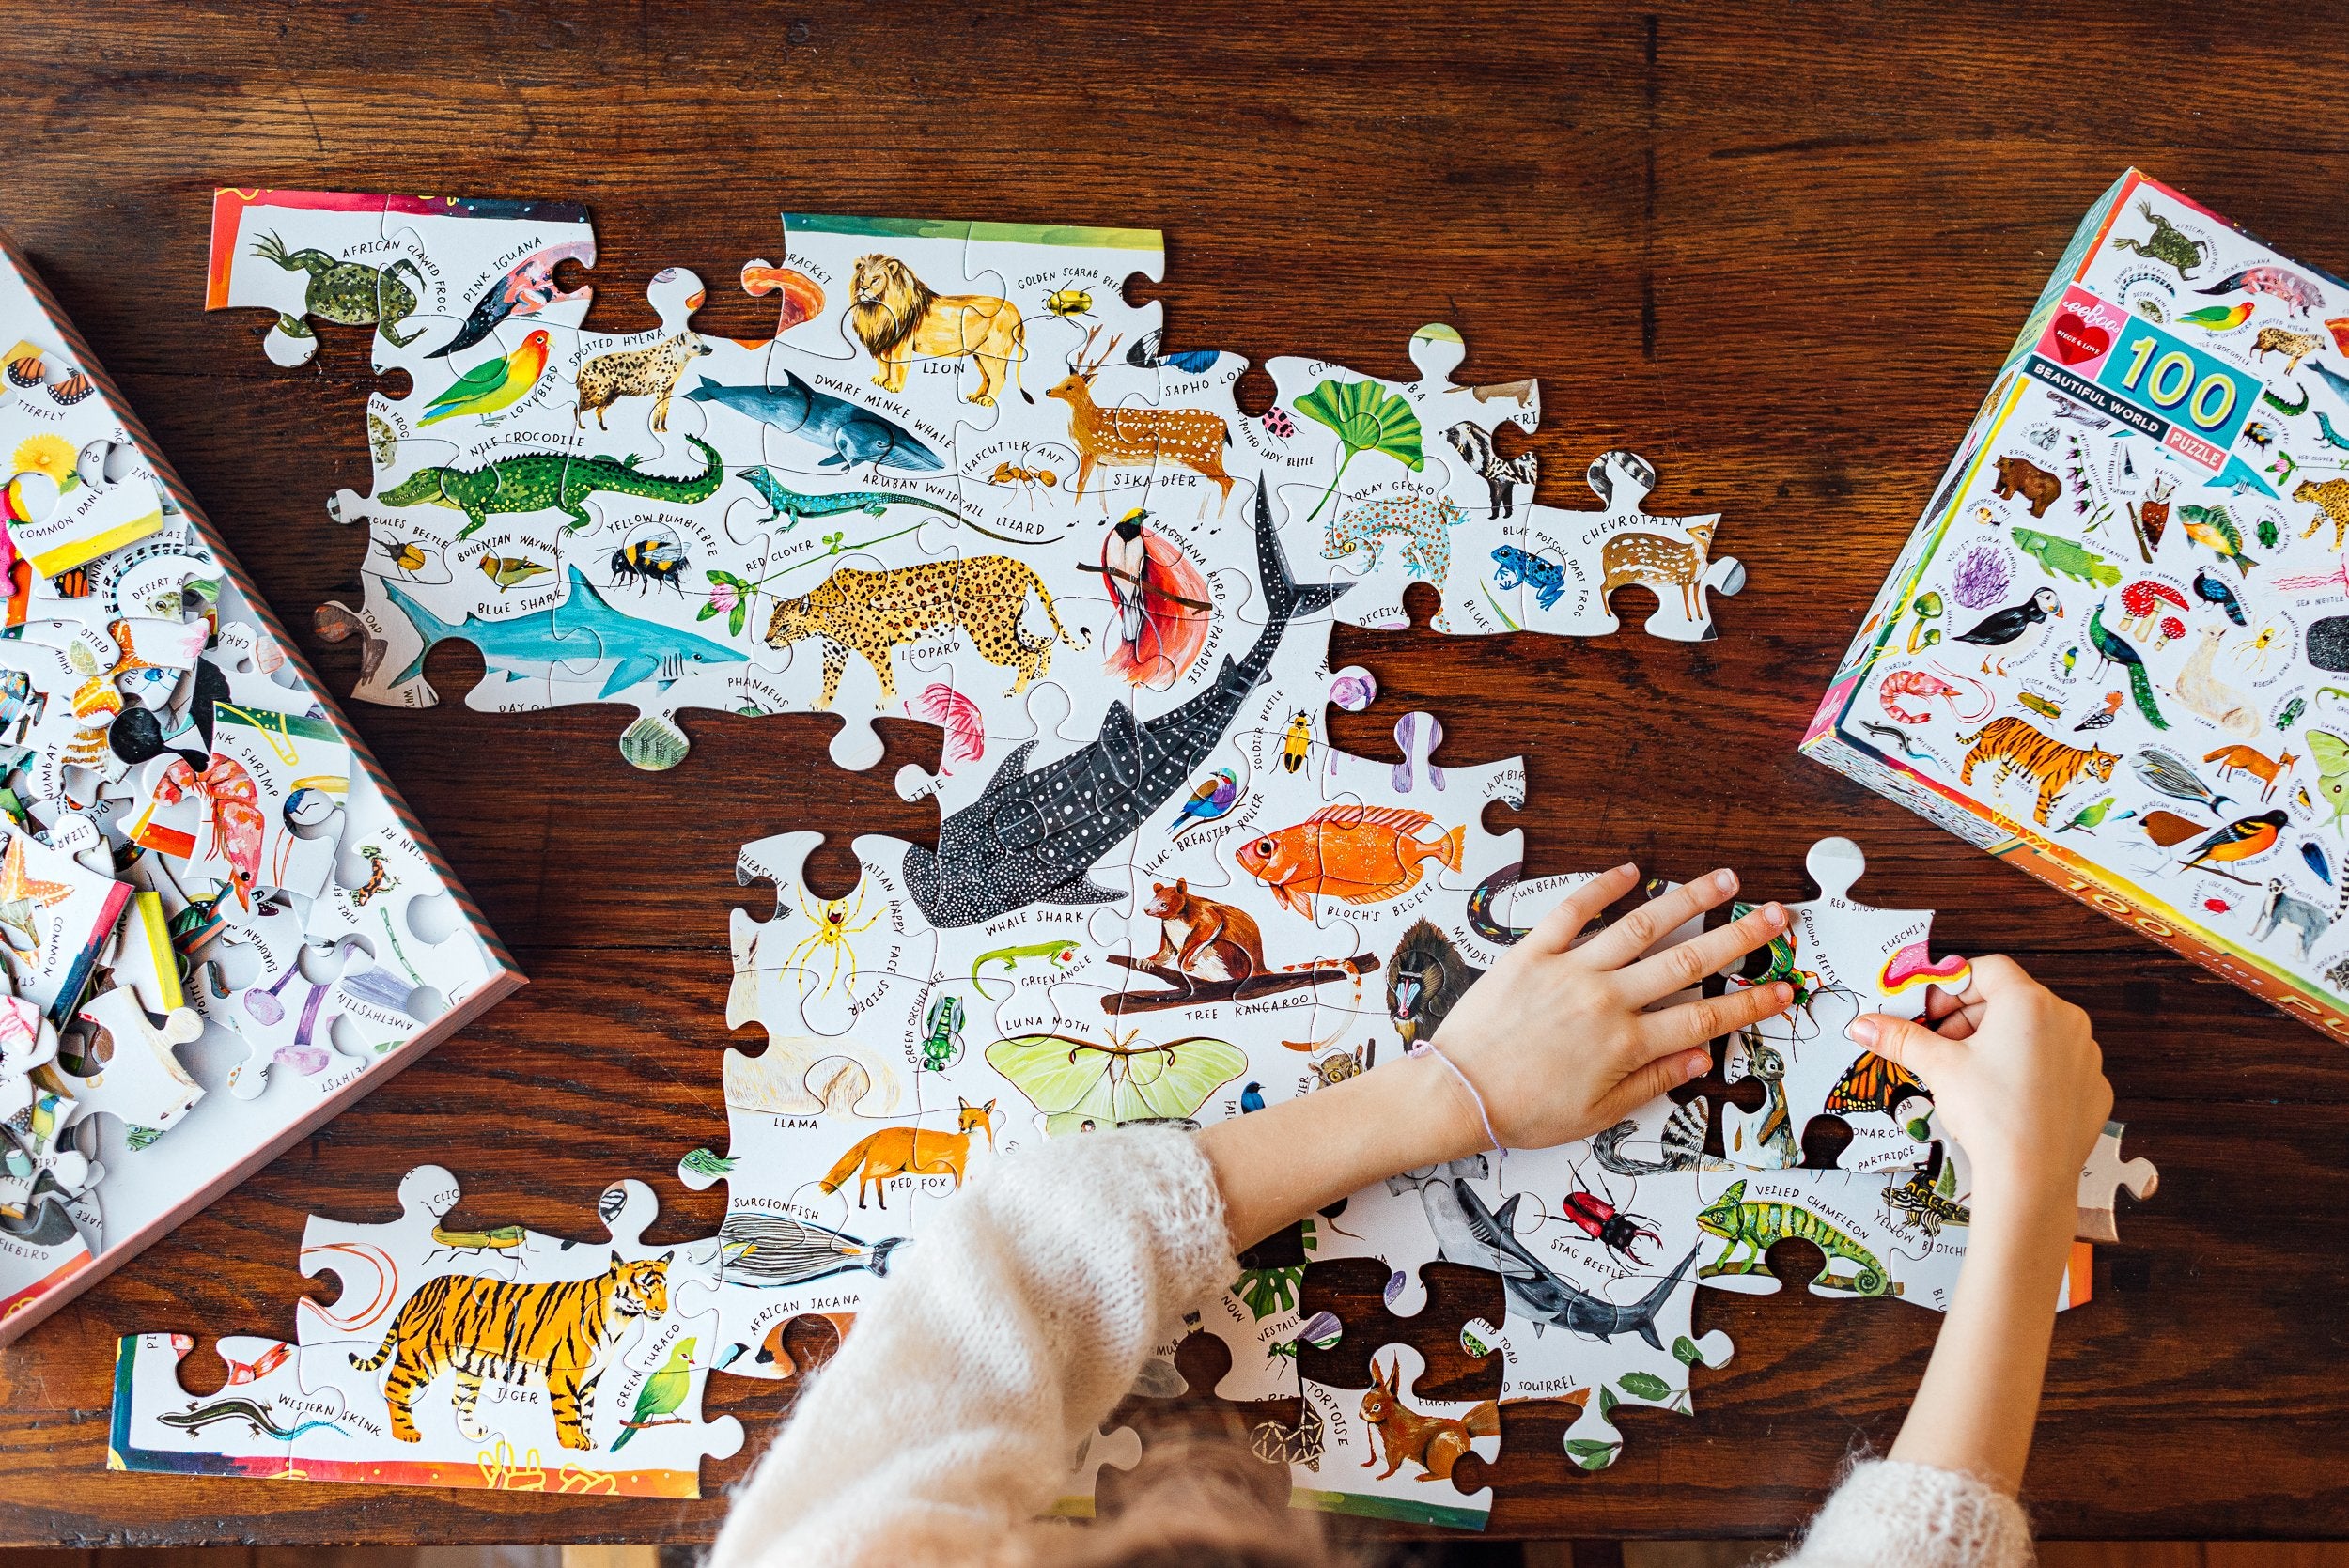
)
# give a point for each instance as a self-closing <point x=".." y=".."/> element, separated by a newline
<point x="1559" y="1043"/>
<point x="2015" y="1074"/>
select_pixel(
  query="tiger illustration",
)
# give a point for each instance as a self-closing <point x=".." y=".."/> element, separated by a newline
<point x="877" y="613"/>
<point x="2017" y="748"/>
<point x="487" y="1329"/>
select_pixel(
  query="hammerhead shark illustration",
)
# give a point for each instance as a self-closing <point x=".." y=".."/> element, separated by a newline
<point x="583" y="629"/>
<point x="1033" y="837"/>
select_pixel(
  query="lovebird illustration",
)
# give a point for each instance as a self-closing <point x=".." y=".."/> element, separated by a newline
<point x="2213" y="529"/>
<point x="2219" y="318"/>
<point x="2115" y="648"/>
<point x="2239" y="841"/>
<point x="494" y="383"/>
<point x="662" y="1392"/>
<point x="2221" y="595"/>
<point x="1215" y="795"/>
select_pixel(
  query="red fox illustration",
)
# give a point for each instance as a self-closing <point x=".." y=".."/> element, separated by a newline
<point x="912" y="1152"/>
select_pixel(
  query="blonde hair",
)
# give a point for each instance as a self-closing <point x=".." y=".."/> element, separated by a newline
<point x="1196" y="1500"/>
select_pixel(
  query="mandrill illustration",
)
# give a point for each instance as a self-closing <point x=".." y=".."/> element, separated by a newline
<point x="1425" y="978"/>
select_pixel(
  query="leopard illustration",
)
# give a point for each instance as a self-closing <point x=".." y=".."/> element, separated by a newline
<point x="876" y="613"/>
<point x="2332" y="505"/>
<point x="652" y="371"/>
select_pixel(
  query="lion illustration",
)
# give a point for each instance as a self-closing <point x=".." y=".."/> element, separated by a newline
<point x="896" y="316"/>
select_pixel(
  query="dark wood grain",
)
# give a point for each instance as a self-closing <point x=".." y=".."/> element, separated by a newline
<point x="1779" y="252"/>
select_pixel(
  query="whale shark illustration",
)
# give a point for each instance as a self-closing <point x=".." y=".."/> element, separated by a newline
<point x="583" y="629"/>
<point x="1535" y="1291"/>
<point x="1034" y="837"/>
<point x="852" y="433"/>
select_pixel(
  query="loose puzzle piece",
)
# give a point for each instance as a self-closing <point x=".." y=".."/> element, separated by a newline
<point x="1843" y="959"/>
<point x="411" y="1376"/>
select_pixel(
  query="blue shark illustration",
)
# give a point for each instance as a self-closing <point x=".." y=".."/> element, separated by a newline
<point x="1034" y="837"/>
<point x="583" y="629"/>
<point x="854" y="434"/>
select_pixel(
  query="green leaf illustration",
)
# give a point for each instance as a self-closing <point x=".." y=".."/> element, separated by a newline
<point x="1365" y="417"/>
<point x="1591" y="1453"/>
<point x="1685" y="1351"/>
<point x="1268" y="1290"/>
<point x="1606" y="1402"/>
<point x="1645" y="1385"/>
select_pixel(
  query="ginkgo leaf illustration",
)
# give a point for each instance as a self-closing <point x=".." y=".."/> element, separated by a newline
<point x="1366" y="417"/>
<point x="1076" y="1081"/>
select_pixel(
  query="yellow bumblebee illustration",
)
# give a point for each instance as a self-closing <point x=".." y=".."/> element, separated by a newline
<point x="649" y="561"/>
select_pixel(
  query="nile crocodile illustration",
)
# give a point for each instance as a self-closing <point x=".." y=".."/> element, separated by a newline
<point x="548" y="481"/>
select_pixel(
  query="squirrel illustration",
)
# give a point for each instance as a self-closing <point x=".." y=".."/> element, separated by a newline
<point x="1433" y="1443"/>
<point x="1203" y="939"/>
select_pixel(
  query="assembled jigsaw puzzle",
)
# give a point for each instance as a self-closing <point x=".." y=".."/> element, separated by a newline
<point x="218" y="923"/>
<point x="2114" y="650"/>
<point x="1158" y="894"/>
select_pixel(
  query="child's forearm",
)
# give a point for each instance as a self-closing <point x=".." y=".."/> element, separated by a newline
<point x="1980" y="1399"/>
<point x="1277" y="1165"/>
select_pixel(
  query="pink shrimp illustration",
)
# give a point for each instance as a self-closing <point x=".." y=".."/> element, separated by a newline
<point x="1925" y="688"/>
<point x="237" y="822"/>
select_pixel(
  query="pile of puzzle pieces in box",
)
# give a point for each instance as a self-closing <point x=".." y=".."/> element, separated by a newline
<point x="196" y="885"/>
<point x="1158" y="894"/>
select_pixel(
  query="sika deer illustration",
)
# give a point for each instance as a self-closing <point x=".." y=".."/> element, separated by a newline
<point x="1656" y="561"/>
<point x="1121" y="437"/>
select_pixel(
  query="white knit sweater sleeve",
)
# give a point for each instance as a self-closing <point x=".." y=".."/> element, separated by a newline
<point x="1019" y="1315"/>
<point x="1895" y="1515"/>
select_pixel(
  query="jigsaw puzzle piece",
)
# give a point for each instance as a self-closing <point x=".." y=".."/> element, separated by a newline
<point x="1570" y="562"/>
<point x="421" y="1424"/>
<point x="249" y="1427"/>
<point x="2105" y="1173"/>
<point x="830" y="966"/>
<point x="1443" y="493"/>
<point x="1413" y="1443"/>
<point x="1845" y="959"/>
<point x="73" y="483"/>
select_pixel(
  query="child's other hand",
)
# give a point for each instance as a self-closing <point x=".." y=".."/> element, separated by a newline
<point x="1559" y="1042"/>
<point x="2015" y="1074"/>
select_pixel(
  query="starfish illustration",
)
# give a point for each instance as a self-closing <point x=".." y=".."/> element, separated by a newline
<point x="20" y="896"/>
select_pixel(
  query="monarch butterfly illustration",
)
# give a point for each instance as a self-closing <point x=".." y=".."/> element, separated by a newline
<point x="1877" y="1083"/>
<point x="1084" y="1084"/>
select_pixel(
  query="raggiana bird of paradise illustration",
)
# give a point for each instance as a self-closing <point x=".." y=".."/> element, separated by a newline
<point x="493" y="384"/>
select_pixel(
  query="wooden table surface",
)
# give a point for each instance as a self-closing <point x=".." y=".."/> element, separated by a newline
<point x="1778" y="254"/>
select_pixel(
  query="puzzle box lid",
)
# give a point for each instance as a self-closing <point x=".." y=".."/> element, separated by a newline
<point x="2111" y="651"/>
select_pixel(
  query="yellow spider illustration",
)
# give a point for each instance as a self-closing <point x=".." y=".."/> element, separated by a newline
<point x="832" y="933"/>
